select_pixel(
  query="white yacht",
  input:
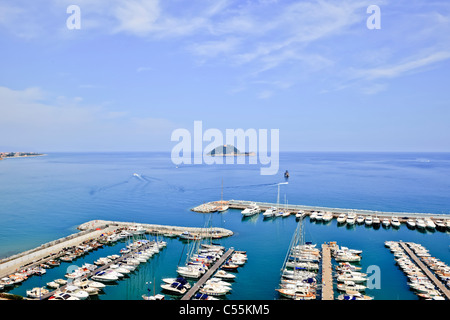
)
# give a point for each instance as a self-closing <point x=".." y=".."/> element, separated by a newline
<point x="368" y="221"/>
<point x="342" y="218"/>
<point x="175" y="287"/>
<point x="420" y="223"/>
<point x="430" y="224"/>
<point x="214" y="290"/>
<point x="386" y="222"/>
<point x="270" y="212"/>
<point x="313" y="216"/>
<point x="360" y="220"/>
<point x="411" y="223"/>
<point x="224" y="275"/>
<point x="319" y="216"/>
<point x="251" y="210"/>
<point x="328" y="216"/>
<point x="62" y="296"/>
<point x="351" y="218"/>
<point x="395" y="222"/>
<point x="76" y="292"/>
<point x="103" y="276"/>
<point x="37" y="293"/>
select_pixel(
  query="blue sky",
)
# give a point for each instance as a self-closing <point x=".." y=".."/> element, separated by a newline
<point x="136" y="70"/>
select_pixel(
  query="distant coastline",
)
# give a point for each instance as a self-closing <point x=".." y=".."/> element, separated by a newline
<point x="8" y="155"/>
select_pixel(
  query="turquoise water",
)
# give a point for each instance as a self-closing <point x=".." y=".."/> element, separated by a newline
<point x="45" y="198"/>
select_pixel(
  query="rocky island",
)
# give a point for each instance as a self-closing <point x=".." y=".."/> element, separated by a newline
<point x="228" y="150"/>
<point x="5" y="155"/>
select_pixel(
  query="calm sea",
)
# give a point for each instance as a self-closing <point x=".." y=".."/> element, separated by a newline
<point x="45" y="198"/>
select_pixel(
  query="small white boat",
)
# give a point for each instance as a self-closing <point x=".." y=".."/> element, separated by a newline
<point x="368" y="221"/>
<point x="155" y="297"/>
<point x="297" y="294"/>
<point x="313" y="216"/>
<point x="214" y="290"/>
<point x="411" y="223"/>
<point x="179" y="280"/>
<point x="53" y="285"/>
<point x="360" y="220"/>
<point x="420" y="223"/>
<point x="319" y="216"/>
<point x="76" y="292"/>
<point x="251" y="210"/>
<point x="270" y="212"/>
<point x="62" y="296"/>
<point x="351" y="219"/>
<point x="376" y="222"/>
<point x="299" y="214"/>
<point x="430" y="224"/>
<point x="328" y="216"/>
<point x="350" y="286"/>
<point x="386" y="222"/>
<point x="190" y="271"/>
<point x="395" y="222"/>
<point x="103" y="276"/>
<point x="174" y="288"/>
<point x="37" y="292"/>
<point x="224" y="275"/>
<point x="342" y="218"/>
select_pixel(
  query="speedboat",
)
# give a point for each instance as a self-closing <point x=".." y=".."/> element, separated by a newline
<point x="180" y="280"/>
<point x="190" y="271"/>
<point x="313" y="216"/>
<point x="104" y="276"/>
<point x="175" y="287"/>
<point x="269" y="212"/>
<point x="37" y="293"/>
<point x="360" y="220"/>
<point x="76" y="292"/>
<point x="350" y="285"/>
<point x="251" y="210"/>
<point x="368" y="221"/>
<point x="299" y="214"/>
<point x="53" y="285"/>
<point x="386" y="222"/>
<point x="297" y="293"/>
<point x="353" y="295"/>
<point x="214" y="290"/>
<point x="376" y="221"/>
<point x="440" y="225"/>
<point x="62" y="296"/>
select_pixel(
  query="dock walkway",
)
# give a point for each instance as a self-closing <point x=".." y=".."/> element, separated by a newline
<point x="327" y="277"/>
<point x="427" y="271"/>
<point x="207" y="275"/>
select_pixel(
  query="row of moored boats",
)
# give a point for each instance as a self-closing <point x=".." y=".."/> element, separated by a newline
<point x="418" y="281"/>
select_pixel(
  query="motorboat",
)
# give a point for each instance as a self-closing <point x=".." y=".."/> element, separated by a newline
<point x="62" y="296"/>
<point x="411" y="223"/>
<point x="175" y="288"/>
<point x="360" y="220"/>
<point x="202" y="296"/>
<point x="229" y="266"/>
<point x="218" y="281"/>
<point x="386" y="222"/>
<point x="251" y="210"/>
<point x="270" y="212"/>
<point x="180" y="280"/>
<point x="155" y="297"/>
<point x="87" y="287"/>
<point x="76" y="292"/>
<point x="61" y="282"/>
<point x="297" y="294"/>
<point x="328" y="216"/>
<point x="91" y="283"/>
<point x="420" y="223"/>
<point x="186" y="235"/>
<point x="376" y="221"/>
<point x="313" y="215"/>
<point x="37" y="292"/>
<point x="190" y="271"/>
<point x="440" y="225"/>
<point x="430" y="224"/>
<point x="224" y="275"/>
<point x="319" y="216"/>
<point x="353" y="295"/>
<point x="342" y="218"/>
<point x="299" y="214"/>
<point x="104" y="276"/>
<point x="368" y="221"/>
<point x="395" y="222"/>
<point x="351" y="277"/>
<point x="136" y="229"/>
<point x="53" y="285"/>
<point x="350" y="286"/>
<point x="351" y="219"/>
<point x="214" y="290"/>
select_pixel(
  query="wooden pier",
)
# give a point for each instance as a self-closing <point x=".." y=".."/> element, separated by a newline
<point x="427" y="271"/>
<point x="207" y="275"/>
<point x="327" y="277"/>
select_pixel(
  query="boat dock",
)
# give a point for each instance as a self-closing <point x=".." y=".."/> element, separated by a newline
<point x="92" y="230"/>
<point x="430" y="275"/>
<point x="103" y="267"/>
<point x="207" y="275"/>
<point x="307" y="210"/>
<point x="327" y="277"/>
